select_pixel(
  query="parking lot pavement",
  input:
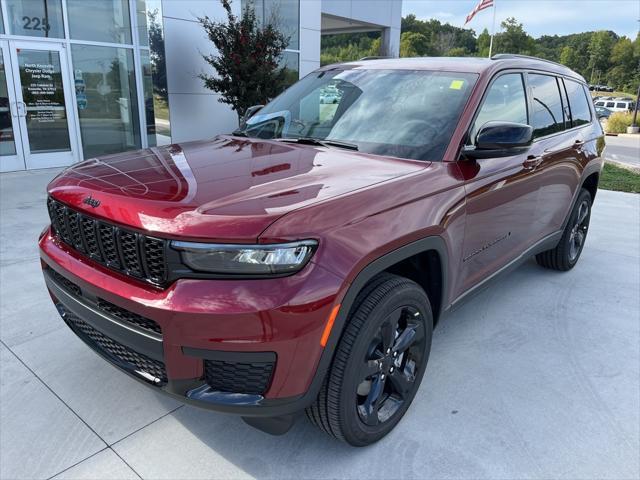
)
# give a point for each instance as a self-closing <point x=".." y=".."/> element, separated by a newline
<point x="624" y="150"/>
<point x="537" y="377"/>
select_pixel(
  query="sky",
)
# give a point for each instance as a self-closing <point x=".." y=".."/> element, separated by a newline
<point x="539" y="17"/>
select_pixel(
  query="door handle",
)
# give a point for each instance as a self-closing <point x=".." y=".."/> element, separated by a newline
<point x="15" y="109"/>
<point x="532" y="162"/>
<point x="22" y="109"/>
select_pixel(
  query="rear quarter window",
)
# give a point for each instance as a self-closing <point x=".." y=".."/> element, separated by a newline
<point x="621" y="105"/>
<point x="578" y="103"/>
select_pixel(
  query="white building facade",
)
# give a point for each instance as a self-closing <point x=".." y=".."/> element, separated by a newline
<point x="84" y="78"/>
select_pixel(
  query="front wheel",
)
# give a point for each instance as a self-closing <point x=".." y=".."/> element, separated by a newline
<point x="566" y="254"/>
<point x="379" y="362"/>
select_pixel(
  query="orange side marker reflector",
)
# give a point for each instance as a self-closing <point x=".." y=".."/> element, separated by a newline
<point x="329" y="326"/>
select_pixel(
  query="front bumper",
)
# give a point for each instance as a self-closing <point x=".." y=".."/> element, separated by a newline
<point x="250" y="347"/>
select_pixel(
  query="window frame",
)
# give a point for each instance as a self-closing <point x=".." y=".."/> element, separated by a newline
<point x="582" y="85"/>
<point x="557" y="75"/>
<point x="471" y="141"/>
<point x="530" y="92"/>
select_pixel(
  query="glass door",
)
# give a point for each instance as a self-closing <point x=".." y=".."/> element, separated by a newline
<point x="10" y="145"/>
<point x="43" y="103"/>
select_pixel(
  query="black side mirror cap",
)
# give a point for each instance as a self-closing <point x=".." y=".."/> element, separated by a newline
<point x="500" y="139"/>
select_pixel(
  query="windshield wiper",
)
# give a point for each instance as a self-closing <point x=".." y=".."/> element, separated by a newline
<point x="317" y="141"/>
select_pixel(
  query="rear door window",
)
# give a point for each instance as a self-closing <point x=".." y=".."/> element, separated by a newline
<point x="621" y="105"/>
<point x="547" y="115"/>
<point x="610" y="105"/>
<point x="578" y="103"/>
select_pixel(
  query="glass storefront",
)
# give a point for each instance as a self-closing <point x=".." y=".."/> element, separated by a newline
<point x="285" y="15"/>
<point x="92" y="80"/>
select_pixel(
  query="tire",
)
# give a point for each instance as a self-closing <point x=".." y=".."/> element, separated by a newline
<point x="566" y="254"/>
<point x="377" y="367"/>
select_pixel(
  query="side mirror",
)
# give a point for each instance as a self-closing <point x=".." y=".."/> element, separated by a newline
<point x="500" y="139"/>
<point x="250" y="112"/>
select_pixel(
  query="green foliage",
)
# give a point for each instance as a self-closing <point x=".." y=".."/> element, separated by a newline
<point x="513" y="39"/>
<point x="600" y="57"/>
<point x="247" y="64"/>
<point x="618" y="122"/>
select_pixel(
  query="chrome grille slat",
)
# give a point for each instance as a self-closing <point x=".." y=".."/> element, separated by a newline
<point x="120" y="249"/>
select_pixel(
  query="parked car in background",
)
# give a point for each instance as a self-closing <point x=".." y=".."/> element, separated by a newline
<point x="301" y="263"/>
<point x="603" y="112"/>
<point x="616" y="105"/>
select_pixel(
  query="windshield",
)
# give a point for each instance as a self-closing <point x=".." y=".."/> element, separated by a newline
<point x="400" y="113"/>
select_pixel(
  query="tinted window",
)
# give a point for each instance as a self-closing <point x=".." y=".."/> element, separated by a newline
<point x="400" y="113"/>
<point x="621" y="105"/>
<point x="547" y="115"/>
<point x="505" y="101"/>
<point x="600" y="104"/>
<point x="610" y="104"/>
<point x="580" y="112"/>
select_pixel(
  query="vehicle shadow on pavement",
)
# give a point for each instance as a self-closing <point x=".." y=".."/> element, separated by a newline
<point x="515" y="378"/>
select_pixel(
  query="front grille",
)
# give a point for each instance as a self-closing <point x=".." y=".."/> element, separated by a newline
<point x="122" y="355"/>
<point x="129" y="317"/>
<point x="249" y="378"/>
<point x="120" y="249"/>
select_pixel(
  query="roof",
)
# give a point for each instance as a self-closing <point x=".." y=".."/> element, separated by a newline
<point x="461" y="64"/>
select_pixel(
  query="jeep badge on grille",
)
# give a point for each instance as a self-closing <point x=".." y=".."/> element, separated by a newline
<point x="92" y="202"/>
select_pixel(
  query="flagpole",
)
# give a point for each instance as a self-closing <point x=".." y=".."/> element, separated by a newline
<point x="493" y="28"/>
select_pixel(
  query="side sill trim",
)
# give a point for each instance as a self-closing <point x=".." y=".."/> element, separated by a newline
<point x="546" y="243"/>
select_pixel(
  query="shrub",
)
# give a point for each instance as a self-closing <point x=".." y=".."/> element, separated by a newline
<point x="619" y="121"/>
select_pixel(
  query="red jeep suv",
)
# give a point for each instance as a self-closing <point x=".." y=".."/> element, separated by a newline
<point x="301" y="262"/>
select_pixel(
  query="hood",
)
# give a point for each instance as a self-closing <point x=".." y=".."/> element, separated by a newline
<point x="226" y="189"/>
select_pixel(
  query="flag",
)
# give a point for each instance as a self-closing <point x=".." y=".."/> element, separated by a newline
<point x="482" y="4"/>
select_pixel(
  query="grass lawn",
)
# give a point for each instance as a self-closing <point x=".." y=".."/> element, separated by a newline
<point x="619" y="179"/>
<point x="613" y="94"/>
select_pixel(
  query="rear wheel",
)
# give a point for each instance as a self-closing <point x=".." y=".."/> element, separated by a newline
<point x="566" y="254"/>
<point x="379" y="362"/>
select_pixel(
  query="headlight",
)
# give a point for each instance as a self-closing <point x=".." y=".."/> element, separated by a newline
<point x="275" y="259"/>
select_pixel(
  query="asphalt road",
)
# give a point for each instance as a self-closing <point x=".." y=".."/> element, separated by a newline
<point x="624" y="150"/>
<point x="535" y="378"/>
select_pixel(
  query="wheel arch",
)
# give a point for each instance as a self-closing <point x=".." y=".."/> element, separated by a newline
<point x="590" y="183"/>
<point x="403" y="261"/>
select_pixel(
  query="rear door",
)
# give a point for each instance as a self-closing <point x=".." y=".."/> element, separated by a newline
<point x="557" y="148"/>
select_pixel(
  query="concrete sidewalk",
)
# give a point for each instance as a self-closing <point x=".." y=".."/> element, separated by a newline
<point x="537" y="377"/>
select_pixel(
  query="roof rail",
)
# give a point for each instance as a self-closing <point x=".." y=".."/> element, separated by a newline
<point x="374" y="58"/>
<point x="500" y="56"/>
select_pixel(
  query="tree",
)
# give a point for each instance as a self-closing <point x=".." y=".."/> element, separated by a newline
<point x="247" y="63"/>
<point x="157" y="56"/>
<point x="514" y="39"/>
<point x="600" y="48"/>
<point x="484" y="40"/>
<point x="569" y="57"/>
<point x="413" y="44"/>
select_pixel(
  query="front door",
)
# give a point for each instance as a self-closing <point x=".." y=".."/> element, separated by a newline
<point x="40" y="103"/>
<point x="501" y="193"/>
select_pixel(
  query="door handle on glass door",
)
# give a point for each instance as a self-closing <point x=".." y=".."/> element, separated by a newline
<point x="22" y="109"/>
<point x="532" y="162"/>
